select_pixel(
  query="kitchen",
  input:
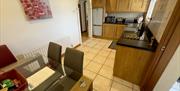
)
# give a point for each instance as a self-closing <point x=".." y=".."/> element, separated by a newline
<point x="126" y="22"/>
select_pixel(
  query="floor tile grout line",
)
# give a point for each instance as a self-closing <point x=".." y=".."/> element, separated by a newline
<point x="103" y="65"/>
<point x="122" y="84"/>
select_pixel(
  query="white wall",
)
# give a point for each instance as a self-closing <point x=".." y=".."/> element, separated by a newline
<point x="22" y="35"/>
<point x="171" y="73"/>
<point x="150" y="10"/>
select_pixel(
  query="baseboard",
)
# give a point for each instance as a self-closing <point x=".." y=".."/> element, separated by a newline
<point x="77" y="45"/>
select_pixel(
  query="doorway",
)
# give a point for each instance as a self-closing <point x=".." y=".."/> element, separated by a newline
<point x="83" y="14"/>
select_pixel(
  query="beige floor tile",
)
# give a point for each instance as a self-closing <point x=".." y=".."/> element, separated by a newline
<point x="104" y="53"/>
<point x="98" y="47"/>
<point x="108" y="42"/>
<point x="104" y="41"/>
<point x="106" y="46"/>
<point x="94" y="51"/>
<point x="89" y="74"/>
<point x="136" y="87"/>
<point x="94" y="67"/>
<point x="113" y="51"/>
<point x="106" y="72"/>
<point x="86" y="62"/>
<point x="80" y="47"/>
<point x="84" y="49"/>
<point x="99" y="59"/>
<point x="109" y="62"/>
<point x="102" y="84"/>
<point x="121" y="81"/>
<point x="90" y="55"/>
<point x="91" y="44"/>
<point x="107" y="49"/>
<point x="99" y="40"/>
<point x="101" y="44"/>
<point x="112" y="55"/>
<point x="119" y="87"/>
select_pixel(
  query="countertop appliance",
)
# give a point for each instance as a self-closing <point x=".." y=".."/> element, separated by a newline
<point x="120" y="20"/>
<point x="97" y="21"/>
<point x="110" y="19"/>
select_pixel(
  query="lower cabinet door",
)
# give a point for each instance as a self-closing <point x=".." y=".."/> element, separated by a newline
<point x="109" y="31"/>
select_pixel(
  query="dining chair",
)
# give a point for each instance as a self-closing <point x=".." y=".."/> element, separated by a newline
<point x="73" y="63"/>
<point x="54" y="56"/>
<point x="73" y="68"/>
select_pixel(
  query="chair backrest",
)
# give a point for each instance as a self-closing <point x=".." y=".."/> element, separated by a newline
<point x="6" y="57"/>
<point x="54" y="52"/>
<point x="74" y="60"/>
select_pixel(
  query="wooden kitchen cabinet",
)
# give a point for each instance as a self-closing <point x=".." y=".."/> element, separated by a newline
<point x="123" y="5"/>
<point x="98" y="3"/>
<point x="113" y="31"/>
<point x="119" y="31"/>
<point x="139" y="5"/>
<point x="109" y="31"/>
<point x="113" y="6"/>
<point x="131" y="63"/>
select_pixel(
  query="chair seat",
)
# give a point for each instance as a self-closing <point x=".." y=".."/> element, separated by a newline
<point x="57" y="86"/>
<point x="55" y="66"/>
<point x="72" y="73"/>
<point x="67" y="83"/>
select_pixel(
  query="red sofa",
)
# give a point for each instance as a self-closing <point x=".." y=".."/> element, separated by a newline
<point x="6" y="57"/>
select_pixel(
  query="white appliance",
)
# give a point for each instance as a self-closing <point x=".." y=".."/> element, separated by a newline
<point x="97" y="21"/>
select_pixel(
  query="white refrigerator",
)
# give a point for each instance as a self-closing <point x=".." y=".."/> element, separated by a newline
<point x="97" y="21"/>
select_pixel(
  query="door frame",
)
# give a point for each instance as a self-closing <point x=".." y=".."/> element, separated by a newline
<point x="85" y="14"/>
<point x="165" y="50"/>
<point x="80" y="16"/>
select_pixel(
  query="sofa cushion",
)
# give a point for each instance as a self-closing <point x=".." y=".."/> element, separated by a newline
<point x="6" y="57"/>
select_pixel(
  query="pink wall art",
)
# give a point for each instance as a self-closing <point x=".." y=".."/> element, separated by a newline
<point x="36" y="9"/>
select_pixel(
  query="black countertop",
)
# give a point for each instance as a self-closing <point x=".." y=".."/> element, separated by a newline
<point x="141" y="44"/>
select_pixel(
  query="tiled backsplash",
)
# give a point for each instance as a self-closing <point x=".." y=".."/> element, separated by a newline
<point x="125" y="15"/>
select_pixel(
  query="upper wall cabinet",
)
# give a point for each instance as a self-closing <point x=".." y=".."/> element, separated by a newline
<point x="139" y="5"/>
<point x="126" y="5"/>
<point x="98" y="3"/>
<point x="111" y="5"/>
<point x="123" y="5"/>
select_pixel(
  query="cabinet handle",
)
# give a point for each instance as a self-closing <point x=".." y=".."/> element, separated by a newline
<point x="163" y="48"/>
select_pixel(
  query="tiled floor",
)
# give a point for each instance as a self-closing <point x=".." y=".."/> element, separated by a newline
<point x="98" y="65"/>
<point x="85" y="36"/>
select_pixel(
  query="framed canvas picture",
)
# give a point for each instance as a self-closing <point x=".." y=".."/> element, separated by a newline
<point x="36" y="9"/>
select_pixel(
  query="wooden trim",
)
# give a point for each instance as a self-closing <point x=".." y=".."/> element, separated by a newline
<point x="77" y="45"/>
<point x="170" y="40"/>
<point x="85" y="16"/>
